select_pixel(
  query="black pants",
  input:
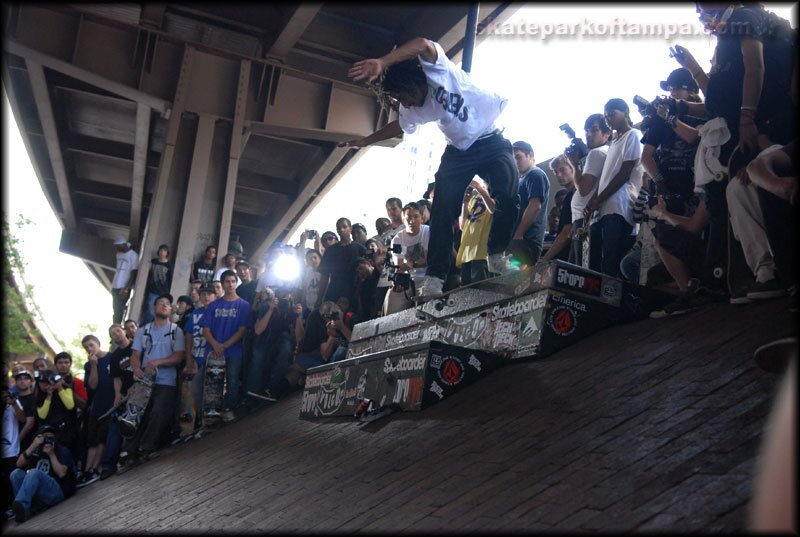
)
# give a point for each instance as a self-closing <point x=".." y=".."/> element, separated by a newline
<point x="491" y="158"/>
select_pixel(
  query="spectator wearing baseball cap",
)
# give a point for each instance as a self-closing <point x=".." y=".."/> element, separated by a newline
<point x="680" y="78"/>
<point x="124" y="277"/>
<point x="23" y="386"/>
<point x="534" y="190"/>
<point x="614" y="233"/>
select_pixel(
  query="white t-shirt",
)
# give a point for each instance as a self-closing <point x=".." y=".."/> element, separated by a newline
<point x="462" y="111"/>
<point x="218" y="275"/>
<point x="415" y="247"/>
<point x="127" y="262"/>
<point x="626" y="147"/>
<point x="593" y="166"/>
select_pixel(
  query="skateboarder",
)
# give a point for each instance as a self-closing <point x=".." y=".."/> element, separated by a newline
<point x="158" y="346"/>
<point x="419" y="79"/>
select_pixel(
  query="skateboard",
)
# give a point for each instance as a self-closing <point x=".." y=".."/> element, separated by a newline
<point x="648" y="254"/>
<point x="582" y="236"/>
<point x="368" y="411"/>
<point x="114" y="410"/>
<point x="187" y="411"/>
<point x="213" y="390"/>
<point x="137" y="399"/>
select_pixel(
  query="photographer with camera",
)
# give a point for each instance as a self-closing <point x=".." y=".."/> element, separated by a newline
<point x="276" y="320"/>
<point x="476" y="222"/>
<point x="55" y="406"/>
<point x="587" y="175"/>
<point x="323" y="333"/>
<point x="670" y="143"/>
<point x="45" y="474"/>
<point x="410" y="260"/>
<point x="368" y="274"/>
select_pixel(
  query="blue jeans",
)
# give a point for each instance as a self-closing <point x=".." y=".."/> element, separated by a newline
<point x="150" y="315"/>
<point x="307" y="360"/>
<point x="610" y="239"/>
<point x="629" y="266"/>
<point x="339" y="354"/>
<point x="113" y="446"/>
<point x="269" y="362"/>
<point x="233" y="381"/>
<point x="34" y="484"/>
<point x="492" y="159"/>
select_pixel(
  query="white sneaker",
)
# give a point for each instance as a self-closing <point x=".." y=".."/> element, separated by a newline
<point x="497" y="264"/>
<point x="228" y="416"/>
<point x="430" y="286"/>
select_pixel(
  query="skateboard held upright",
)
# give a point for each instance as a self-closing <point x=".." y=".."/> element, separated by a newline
<point x="213" y="390"/>
<point x="138" y="397"/>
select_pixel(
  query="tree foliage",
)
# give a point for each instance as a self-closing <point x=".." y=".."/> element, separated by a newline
<point x="20" y="307"/>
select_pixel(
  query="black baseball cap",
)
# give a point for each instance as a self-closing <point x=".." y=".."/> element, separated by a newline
<point x="163" y="295"/>
<point x="185" y="299"/>
<point x="207" y="288"/>
<point x="523" y="146"/>
<point x="680" y="78"/>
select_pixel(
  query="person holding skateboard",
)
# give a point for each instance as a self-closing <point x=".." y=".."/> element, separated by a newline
<point x="158" y="347"/>
<point x="224" y="327"/>
<point x="418" y="79"/>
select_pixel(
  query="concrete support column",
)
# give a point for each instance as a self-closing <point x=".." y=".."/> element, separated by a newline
<point x="159" y="204"/>
<point x="194" y="209"/>
<point x="236" y="148"/>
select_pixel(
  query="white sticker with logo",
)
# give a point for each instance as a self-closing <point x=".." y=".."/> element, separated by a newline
<point x="474" y="362"/>
<point x="435" y="388"/>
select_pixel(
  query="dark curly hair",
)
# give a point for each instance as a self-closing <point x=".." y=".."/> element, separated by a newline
<point x="404" y="76"/>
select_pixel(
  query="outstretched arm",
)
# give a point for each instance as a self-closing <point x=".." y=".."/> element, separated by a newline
<point x="371" y="68"/>
<point x="391" y="130"/>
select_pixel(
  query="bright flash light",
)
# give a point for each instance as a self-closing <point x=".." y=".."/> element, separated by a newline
<point x="287" y="267"/>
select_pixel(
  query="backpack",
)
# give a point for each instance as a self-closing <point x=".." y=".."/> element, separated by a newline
<point x="148" y="339"/>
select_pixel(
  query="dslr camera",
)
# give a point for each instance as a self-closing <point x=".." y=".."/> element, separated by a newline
<point x="577" y="148"/>
<point x="657" y="110"/>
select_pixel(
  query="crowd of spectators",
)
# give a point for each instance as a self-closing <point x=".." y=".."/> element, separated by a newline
<point x="675" y="168"/>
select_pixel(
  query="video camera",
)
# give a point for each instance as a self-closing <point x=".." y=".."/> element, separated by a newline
<point x="312" y="234"/>
<point x="403" y="279"/>
<point x="577" y="148"/>
<point x="47" y="376"/>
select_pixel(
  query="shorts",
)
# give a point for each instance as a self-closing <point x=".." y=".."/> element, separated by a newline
<point x="96" y="431"/>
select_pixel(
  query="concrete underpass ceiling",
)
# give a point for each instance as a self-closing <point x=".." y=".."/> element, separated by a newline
<point x="93" y="88"/>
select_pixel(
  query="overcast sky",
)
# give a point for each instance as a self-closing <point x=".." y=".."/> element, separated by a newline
<point x="549" y="79"/>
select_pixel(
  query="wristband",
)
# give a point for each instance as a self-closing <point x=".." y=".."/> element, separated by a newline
<point x="750" y="108"/>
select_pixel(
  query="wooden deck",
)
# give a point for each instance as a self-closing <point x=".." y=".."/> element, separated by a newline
<point x="653" y="425"/>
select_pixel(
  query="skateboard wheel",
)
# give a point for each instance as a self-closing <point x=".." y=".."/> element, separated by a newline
<point x="451" y="302"/>
<point x="718" y="272"/>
